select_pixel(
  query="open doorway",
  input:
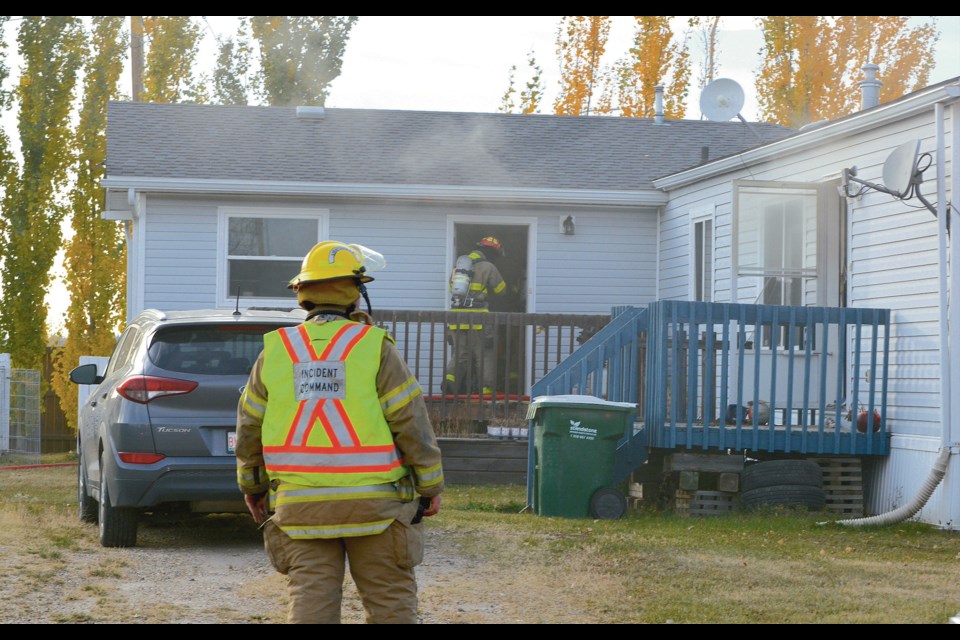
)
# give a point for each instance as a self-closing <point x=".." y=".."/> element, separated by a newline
<point x="510" y="342"/>
<point x="512" y="265"/>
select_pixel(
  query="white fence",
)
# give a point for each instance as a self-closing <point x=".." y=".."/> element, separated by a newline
<point x="19" y="413"/>
<point x="4" y="402"/>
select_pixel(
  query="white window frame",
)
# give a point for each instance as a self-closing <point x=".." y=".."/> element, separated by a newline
<point x="700" y="218"/>
<point x="223" y="297"/>
<point x="825" y="244"/>
<point x="816" y="190"/>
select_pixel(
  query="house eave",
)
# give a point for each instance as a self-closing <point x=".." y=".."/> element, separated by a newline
<point x="872" y="119"/>
<point x="432" y="193"/>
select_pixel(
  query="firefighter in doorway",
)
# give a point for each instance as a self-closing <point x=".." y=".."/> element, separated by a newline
<point x="474" y="280"/>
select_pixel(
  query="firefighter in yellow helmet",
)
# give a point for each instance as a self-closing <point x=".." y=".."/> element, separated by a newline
<point x="336" y="455"/>
<point x="475" y="279"/>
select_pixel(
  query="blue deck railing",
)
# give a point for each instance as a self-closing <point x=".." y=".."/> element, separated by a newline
<point x="609" y="365"/>
<point x="716" y="376"/>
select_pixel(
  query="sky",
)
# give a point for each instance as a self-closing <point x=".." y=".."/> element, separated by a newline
<point x="462" y="63"/>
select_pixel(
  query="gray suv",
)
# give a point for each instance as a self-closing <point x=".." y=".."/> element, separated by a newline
<point x="156" y="435"/>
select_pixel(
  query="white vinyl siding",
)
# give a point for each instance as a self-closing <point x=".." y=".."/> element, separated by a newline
<point x="891" y="258"/>
<point x="676" y="262"/>
<point x="179" y="266"/>
<point x="611" y="261"/>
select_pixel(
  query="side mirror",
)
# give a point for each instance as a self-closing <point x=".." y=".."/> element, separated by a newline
<point x="85" y="374"/>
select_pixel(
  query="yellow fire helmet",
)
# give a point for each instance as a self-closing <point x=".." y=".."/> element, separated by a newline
<point x="330" y="260"/>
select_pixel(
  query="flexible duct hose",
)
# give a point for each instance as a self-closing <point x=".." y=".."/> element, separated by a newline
<point x="910" y="509"/>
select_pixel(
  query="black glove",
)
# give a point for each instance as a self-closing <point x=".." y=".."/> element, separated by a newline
<point x="424" y="503"/>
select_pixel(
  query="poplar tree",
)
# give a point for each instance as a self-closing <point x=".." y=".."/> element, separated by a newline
<point x="581" y="43"/>
<point x="8" y="163"/>
<point x="812" y="65"/>
<point x="656" y="58"/>
<point x="299" y="56"/>
<point x="171" y="52"/>
<point x="532" y="95"/>
<point x="95" y="256"/>
<point x="30" y="235"/>
<point x="230" y="84"/>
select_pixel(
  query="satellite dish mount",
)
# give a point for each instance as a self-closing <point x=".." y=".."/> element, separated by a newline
<point x="902" y="177"/>
<point x="722" y="100"/>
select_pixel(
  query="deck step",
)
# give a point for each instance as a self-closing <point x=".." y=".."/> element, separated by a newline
<point x="843" y="485"/>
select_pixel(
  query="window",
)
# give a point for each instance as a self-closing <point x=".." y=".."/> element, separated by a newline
<point x="776" y="242"/>
<point x="229" y="349"/>
<point x="703" y="260"/>
<point x="262" y="250"/>
<point x="121" y="352"/>
<point x="785" y="247"/>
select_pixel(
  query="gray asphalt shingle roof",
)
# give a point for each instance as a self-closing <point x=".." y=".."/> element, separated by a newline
<point x="367" y="146"/>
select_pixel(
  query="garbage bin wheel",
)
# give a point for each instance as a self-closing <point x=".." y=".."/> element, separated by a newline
<point x="607" y="503"/>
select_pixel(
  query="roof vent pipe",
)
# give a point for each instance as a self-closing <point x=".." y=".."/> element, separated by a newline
<point x="658" y="105"/>
<point x="310" y="113"/>
<point x="870" y="86"/>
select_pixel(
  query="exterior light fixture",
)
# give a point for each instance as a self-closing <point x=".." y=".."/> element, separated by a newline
<point x="568" y="226"/>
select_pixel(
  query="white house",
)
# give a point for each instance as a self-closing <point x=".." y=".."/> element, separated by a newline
<point x="784" y="223"/>
<point x="225" y="198"/>
<point x="221" y="202"/>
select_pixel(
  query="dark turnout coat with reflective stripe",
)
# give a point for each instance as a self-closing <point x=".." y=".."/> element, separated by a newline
<point x="486" y="282"/>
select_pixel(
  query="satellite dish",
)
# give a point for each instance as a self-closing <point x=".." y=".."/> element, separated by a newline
<point x="721" y="100"/>
<point x="899" y="168"/>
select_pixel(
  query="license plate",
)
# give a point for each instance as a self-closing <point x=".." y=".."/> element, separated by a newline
<point x="231" y="442"/>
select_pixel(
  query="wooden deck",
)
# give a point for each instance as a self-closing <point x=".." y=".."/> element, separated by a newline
<point x="811" y="438"/>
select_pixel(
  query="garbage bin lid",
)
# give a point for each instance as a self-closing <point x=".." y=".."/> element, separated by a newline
<point x="574" y="400"/>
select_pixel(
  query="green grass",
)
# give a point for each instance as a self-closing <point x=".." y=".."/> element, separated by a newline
<point x="760" y="567"/>
<point x="768" y="566"/>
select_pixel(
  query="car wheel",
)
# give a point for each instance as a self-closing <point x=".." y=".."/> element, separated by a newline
<point x="86" y="506"/>
<point x="118" y="526"/>
<point x="774" y="473"/>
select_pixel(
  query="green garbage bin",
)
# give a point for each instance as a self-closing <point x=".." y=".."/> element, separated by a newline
<point x="575" y="446"/>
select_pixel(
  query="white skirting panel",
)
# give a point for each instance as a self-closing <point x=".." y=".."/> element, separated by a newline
<point x="897" y="480"/>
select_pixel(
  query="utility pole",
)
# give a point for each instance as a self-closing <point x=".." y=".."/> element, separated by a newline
<point x="136" y="56"/>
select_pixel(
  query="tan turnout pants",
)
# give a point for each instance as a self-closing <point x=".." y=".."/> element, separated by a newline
<point x="382" y="567"/>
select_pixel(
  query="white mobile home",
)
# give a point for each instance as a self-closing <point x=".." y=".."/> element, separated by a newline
<point x="221" y="203"/>
<point x="808" y="221"/>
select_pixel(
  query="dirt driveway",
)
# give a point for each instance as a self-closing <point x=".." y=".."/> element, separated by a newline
<point x="213" y="570"/>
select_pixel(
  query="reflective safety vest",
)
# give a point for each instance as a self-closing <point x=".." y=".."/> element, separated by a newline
<point x="324" y="424"/>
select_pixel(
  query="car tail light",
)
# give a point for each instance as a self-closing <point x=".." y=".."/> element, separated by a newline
<point x="143" y="389"/>
<point x="141" y="458"/>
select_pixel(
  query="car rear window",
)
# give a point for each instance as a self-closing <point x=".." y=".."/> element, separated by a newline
<point x="227" y="349"/>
